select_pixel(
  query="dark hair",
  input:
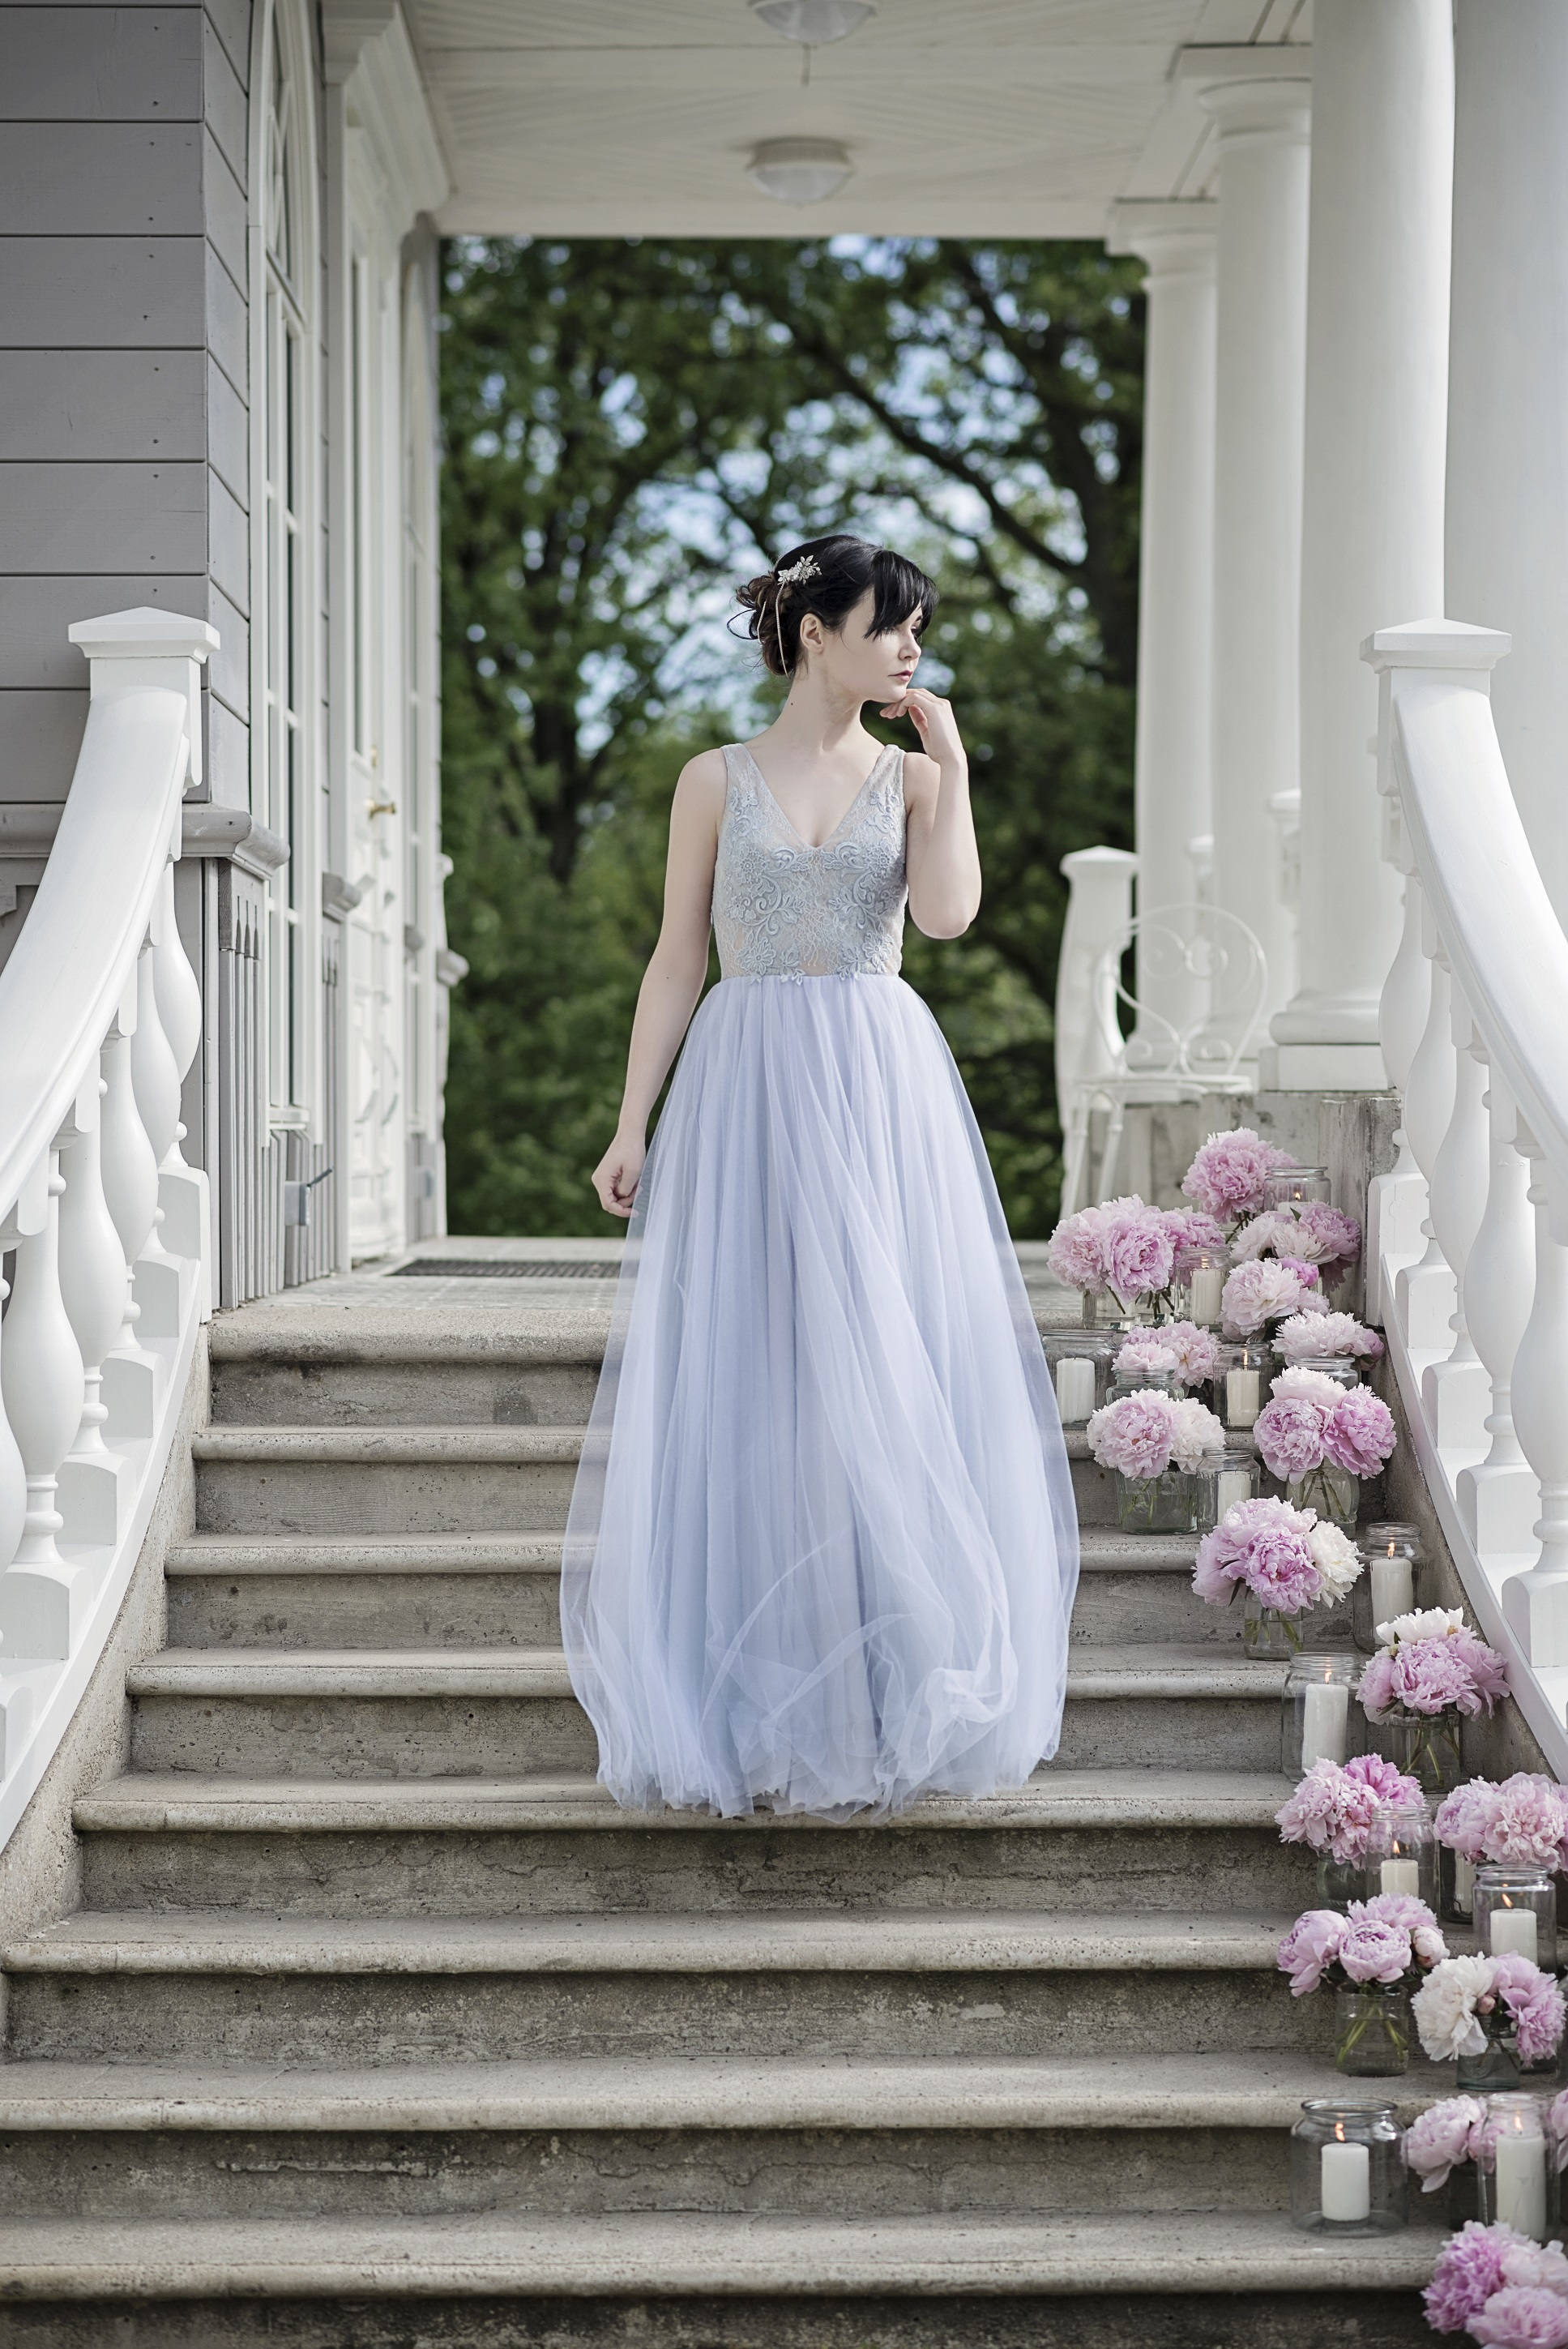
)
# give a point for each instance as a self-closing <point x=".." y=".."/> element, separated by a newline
<point x="844" y="568"/>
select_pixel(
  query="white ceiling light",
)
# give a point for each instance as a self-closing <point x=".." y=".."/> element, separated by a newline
<point x="815" y="22"/>
<point x="799" y="170"/>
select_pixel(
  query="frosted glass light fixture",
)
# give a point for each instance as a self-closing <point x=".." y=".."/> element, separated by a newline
<point x="799" y="170"/>
<point x="815" y="22"/>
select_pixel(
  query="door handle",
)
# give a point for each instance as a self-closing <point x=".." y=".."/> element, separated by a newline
<point x="380" y="807"/>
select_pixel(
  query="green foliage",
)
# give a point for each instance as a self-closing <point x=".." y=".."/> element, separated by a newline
<point x="631" y="427"/>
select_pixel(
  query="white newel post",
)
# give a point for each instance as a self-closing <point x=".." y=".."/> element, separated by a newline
<point x="1261" y="100"/>
<point x="1372" y="545"/>
<point x="1508" y="389"/>
<point x="1171" y="786"/>
<point x="1535" y="1602"/>
<point x="1099" y="910"/>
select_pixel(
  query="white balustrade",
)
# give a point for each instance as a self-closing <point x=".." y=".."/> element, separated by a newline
<point x="1087" y="1037"/>
<point x="1486" y="1115"/>
<point x="100" y="1018"/>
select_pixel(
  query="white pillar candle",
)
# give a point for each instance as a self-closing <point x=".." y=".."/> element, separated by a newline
<point x="1231" y="1486"/>
<point x="1345" y="2180"/>
<point x="1208" y="1282"/>
<point x="1399" y="1875"/>
<point x="1464" y="1883"/>
<point x="1513" y="1933"/>
<point x="1393" y="1588"/>
<point x="1325" y="1708"/>
<point x="1075" y="1388"/>
<point x="1243" y="1397"/>
<point x="1521" y="2181"/>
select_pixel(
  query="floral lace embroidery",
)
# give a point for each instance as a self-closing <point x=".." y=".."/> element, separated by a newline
<point x="784" y="910"/>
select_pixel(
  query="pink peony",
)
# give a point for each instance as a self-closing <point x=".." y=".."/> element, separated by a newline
<point x="1197" y="1352"/>
<point x="1227" y="1178"/>
<point x="1321" y="1337"/>
<point x="1359" y="1434"/>
<point x="1522" y="2316"/>
<point x="1464" y="1816"/>
<point x="1487" y="1669"/>
<point x="1431" y="1676"/>
<point x="1373" y="1950"/>
<point x="1077" y="1252"/>
<point x="1376" y="1688"/>
<point x="1534" y="1999"/>
<point x="1290" y="1435"/>
<point x="1411" y="1916"/>
<point x="1215" y="1576"/>
<point x="1138" y="1248"/>
<point x="1256" y="1294"/>
<point x="1442" y="2137"/>
<point x="1310" y="1947"/>
<point x="1468" y="2270"/>
<point x="1327" y="1236"/>
<point x="1441" y="1672"/>
<point x="1144" y="1352"/>
<point x="1557" y="2129"/>
<point x="1525" y="1822"/>
<point x="1542" y="2265"/>
<point x="1265" y="1544"/>
<point x="1393" y="1788"/>
<point x="1192" y="1234"/>
<point x="1134" y="1434"/>
<point x="1331" y="1812"/>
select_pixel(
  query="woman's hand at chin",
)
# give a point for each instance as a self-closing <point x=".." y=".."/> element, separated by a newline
<point x="618" y="1173"/>
<point x="934" y="721"/>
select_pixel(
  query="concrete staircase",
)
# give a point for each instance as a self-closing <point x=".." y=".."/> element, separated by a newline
<point x="380" y="2024"/>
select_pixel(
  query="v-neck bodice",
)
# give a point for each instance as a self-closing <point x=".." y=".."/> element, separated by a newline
<point x="785" y="909"/>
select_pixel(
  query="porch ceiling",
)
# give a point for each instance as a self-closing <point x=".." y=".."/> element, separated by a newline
<point x="964" y="118"/>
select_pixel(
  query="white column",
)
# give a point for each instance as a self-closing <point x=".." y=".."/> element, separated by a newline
<point x="1508" y="390"/>
<point x="1175" y="590"/>
<point x="1376" y="351"/>
<point x="1263" y="116"/>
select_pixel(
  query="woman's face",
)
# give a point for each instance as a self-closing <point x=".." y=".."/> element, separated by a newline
<point x="870" y="668"/>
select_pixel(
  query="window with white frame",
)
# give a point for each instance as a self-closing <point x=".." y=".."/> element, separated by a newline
<point x="419" y="686"/>
<point x="283" y="282"/>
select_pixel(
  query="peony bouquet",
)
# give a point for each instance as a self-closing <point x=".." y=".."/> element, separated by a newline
<point x="1390" y="1943"/>
<point x="1289" y="1560"/>
<point x="1146" y="1438"/>
<point x="1124" y="1249"/>
<point x="1443" y="2137"/>
<point x="1338" y="1806"/>
<point x="1470" y="2008"/>
<point x="1323" y="1438"/>
<point x="1522" y="1822"/>
<point x="1193" y="1233"/>
<point x="1324" y="1336"/>
<point x="1226" y="1178"/>
<point x="1190" y="1354"/>
<point x="1312" y="1233"/>
<point x="1429" y="1673"/>
<point x="1263" y="1290"/>
<point x="1500" y="2288"/>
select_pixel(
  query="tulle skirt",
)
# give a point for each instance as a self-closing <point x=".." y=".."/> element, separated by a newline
<point x="821" y="1550"/>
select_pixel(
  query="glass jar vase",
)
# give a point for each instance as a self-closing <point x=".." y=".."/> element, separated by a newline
<point x="1347" y="2170"/>
<point x="1495" y="2066"/>
<point x="1388" y="1586"/>
<point x="1246" y="1381"/>
<point x="1269" y="1636"/>
<point x="1515" y="1912"/>
<point x="1332" y="1491"/>
<point x="1402" y="1857"/>
<point x="1515" y="2167"/>
<point x="1154" y="1504"/>
<point x="1372" y="2031"/>
<point x="1315" y="1712"/>
<point x="1293" y="1186"/>
<point x="1126" y="1382"/>
<point x="1230" y="1476"/>
<point x="1426" y="1746"/>
<point x="1080" y="1362"/>
<point x="1456" y="1886"/>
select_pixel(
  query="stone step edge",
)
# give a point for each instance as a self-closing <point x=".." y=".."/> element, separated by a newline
<point x="1140" y="2093"/>
<point x="417" y="1445"/>
<point x="213" y="1556"/>
<point x="676" y="2254"/>
<point x="119" y="1941"/>
<point x="413" y="1673"/>
<point x="194" y="1802"/>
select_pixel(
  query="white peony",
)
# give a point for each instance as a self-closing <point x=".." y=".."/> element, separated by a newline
<point x="1310" y="1386"/>
<point x="1196" y="1435"/>
<point x="1335" y="1556"/>
<point x="1445" y="2007"/>
<point x="1424" y="1624"/>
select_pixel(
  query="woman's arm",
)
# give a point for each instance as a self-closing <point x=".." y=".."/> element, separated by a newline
<point x="674" y="979"/>
<point x="941" y="854"/>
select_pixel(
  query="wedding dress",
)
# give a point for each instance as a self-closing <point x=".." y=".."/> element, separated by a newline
<point x="821" y="1550"/>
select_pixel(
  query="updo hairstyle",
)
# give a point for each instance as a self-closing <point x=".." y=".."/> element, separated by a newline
<point x="830" y="577"/>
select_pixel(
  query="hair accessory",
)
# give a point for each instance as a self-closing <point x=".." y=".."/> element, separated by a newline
<point x="806" y="568"/>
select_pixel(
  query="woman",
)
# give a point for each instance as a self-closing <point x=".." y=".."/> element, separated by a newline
<point x="821" y="1552"/>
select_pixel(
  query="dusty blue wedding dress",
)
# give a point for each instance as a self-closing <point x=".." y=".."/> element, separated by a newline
<point x="821" y="1550"/>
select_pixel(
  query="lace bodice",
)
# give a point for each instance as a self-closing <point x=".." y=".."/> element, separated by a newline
<point x="782" y="909"/>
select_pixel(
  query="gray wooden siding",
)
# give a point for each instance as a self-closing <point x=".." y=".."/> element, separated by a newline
<point x="123" y="357"/>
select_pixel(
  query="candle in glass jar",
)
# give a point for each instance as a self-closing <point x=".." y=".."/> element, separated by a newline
<point x="1464" y="1884"/>
<point x="1393" y="1587"/>
<point x="1521" y="2180"/>
<point x="1075" y="1388"/>
<point x="1345" y="2180"/>
<point x="1513" y="1933"/>
<point x="1399" y="1875"/>
<point x="1243" y="1397"/>
<point x="1204" y="1291"/>
<point x="1231" y="1486"/>
<point x="1325" y="1705"/>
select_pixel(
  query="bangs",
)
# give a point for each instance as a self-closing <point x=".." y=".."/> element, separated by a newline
<point x="902" y="592"/>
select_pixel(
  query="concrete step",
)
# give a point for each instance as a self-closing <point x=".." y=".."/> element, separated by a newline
<point x="144" y="1987"/>
<point x="512" y="1365"/>
<point x="1071" y="1843"/>
<point x="348" y="1482"/>
<point x="460" y="1713"/>
<point x="502" y="1591"/>
<point x="1110" y="2280"/>
<point x="803" y="2136"/>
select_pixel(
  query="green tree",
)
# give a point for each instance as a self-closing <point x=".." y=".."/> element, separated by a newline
<point x="630" y="425"/>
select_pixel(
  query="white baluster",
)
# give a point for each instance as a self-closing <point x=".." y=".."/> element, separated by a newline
<point x="1455" y="1393"/>
<point x="1499" y="1498"/>
<point x="182" y="1189"/>
<point x="1535" y="1603"/>
<point x="1425" y="1292"/>
<point x="95" y="1484"/>
<point x="156" y="1271"/>
<point x="1395" y="1201"/>
<point x="131" y="1373"/>
<point x="42" y="1383"/>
